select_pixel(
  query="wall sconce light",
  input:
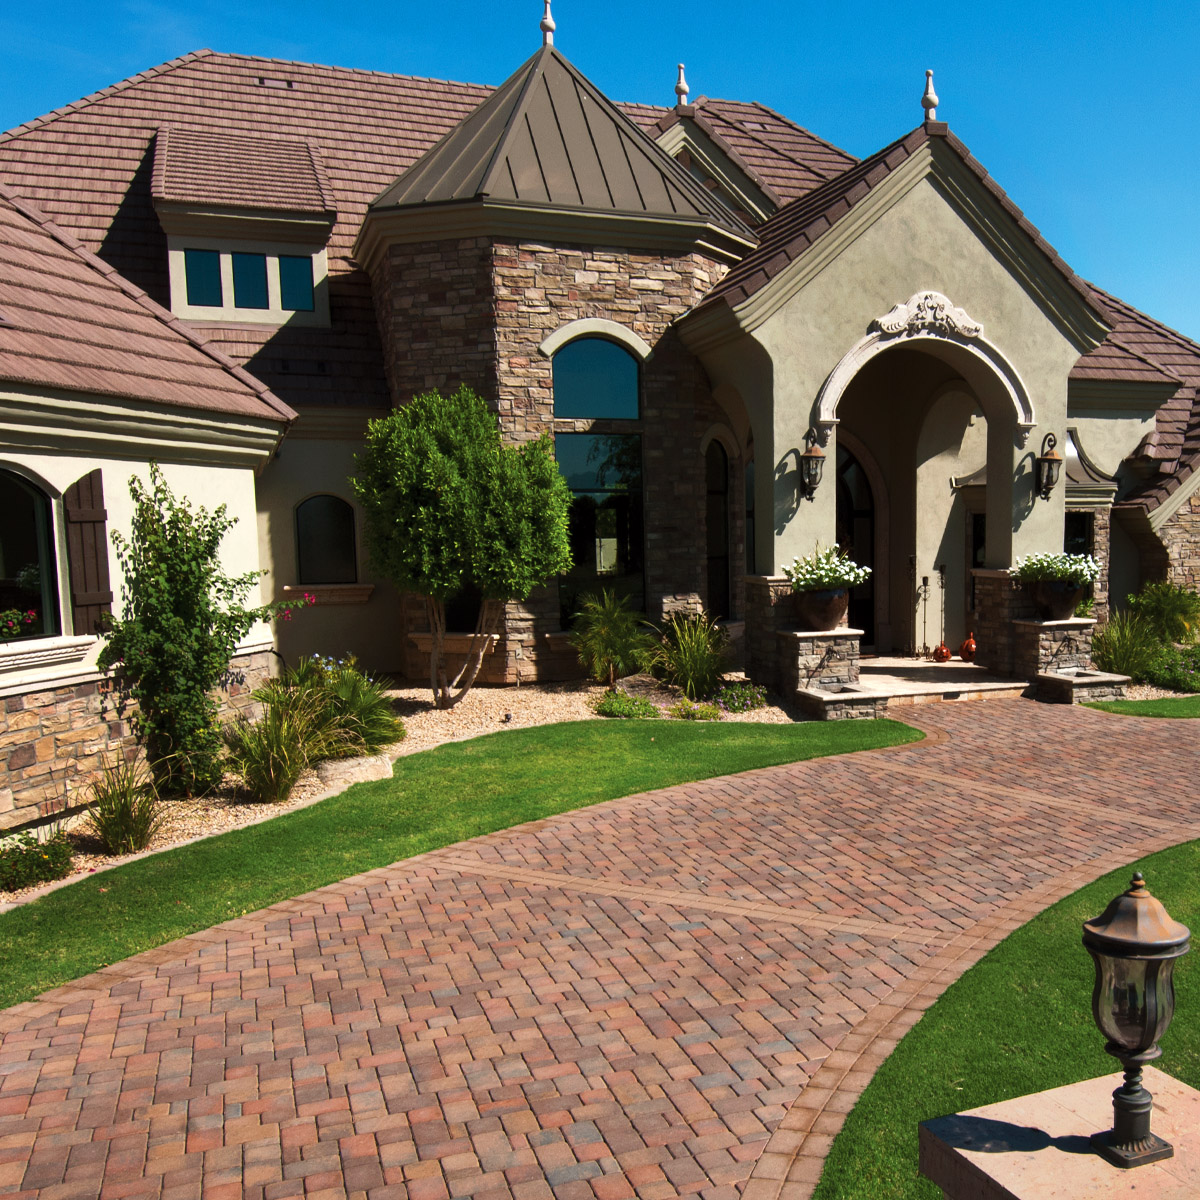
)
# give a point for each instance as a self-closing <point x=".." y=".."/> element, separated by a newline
<point x="812" y="463"/>
<point x="1049" y="464"/>
<point x="1134" y="944"/>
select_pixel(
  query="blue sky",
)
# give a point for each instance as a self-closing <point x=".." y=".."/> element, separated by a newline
<point x="1087" y="114"/>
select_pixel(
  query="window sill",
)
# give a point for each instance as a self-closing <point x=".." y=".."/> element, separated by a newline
<point x="43" y="652"/>
<point x="330" y="593"/>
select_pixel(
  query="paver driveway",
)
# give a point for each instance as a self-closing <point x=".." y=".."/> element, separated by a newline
<point x="673" y="993"/>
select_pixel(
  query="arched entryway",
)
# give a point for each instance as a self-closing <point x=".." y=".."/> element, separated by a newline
<point x="856" y="536"/>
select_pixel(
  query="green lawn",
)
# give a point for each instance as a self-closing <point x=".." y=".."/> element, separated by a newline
<point x="1173" y="706"/>
<point x="434" y="798"/>
<point x="1019" y="1021"/>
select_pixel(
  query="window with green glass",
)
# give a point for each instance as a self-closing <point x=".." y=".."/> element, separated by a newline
<point x="250" y="281"/>
<point x="202" y="271"/>
<point x="296" y="282"/>
<point x="594" y="377"/>
<point x="605" y="526"/>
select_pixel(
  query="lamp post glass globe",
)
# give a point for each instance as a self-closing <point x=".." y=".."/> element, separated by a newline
<point x="1134" y="944"/>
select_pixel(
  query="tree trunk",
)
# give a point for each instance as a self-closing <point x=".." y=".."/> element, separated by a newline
<point x="487" y="623"/>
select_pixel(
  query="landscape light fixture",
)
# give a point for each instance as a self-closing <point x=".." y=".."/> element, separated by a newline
<point x="812" y="463"/>
<point x="1134" y="944"/>
<point x="1049" y="464"/>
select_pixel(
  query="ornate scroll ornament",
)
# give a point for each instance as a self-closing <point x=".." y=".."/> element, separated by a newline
<point x="928" y="312"/>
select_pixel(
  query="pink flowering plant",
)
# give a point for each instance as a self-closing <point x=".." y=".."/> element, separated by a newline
<point x="181" y="621"/>
<point x="16" y="622"/>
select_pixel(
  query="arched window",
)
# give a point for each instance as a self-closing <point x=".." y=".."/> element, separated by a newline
<point x="325" y="541"/>
<point x="596" y="378"/>
<point x="28" y="570"/>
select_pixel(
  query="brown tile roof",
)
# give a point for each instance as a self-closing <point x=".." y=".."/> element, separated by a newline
<point x="785" y="160"/>
<point x="90" y="164"/>
<point x="236" y="171"/>
<point x="549" y="138"/>
<point x="1115" y="362"/>
<point x="1175" y="442"/>
<point x="72" y="322"/>
<point x="794" y="228"/>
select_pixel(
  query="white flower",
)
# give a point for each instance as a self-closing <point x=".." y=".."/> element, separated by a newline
<point x="830" y="568"/>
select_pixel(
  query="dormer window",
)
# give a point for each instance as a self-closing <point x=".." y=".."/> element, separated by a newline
<point x="246" y="240"/>
<point x="272" y="284"/>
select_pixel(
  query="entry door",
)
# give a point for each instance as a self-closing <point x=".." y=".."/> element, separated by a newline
<point x="856" y="535"/>
<point x="716" y="469"/>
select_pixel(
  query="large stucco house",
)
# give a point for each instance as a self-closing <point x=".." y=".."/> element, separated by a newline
<point x="230" y="265"/>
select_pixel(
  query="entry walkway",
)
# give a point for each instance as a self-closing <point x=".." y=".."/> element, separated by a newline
<point x="673" y="993"/>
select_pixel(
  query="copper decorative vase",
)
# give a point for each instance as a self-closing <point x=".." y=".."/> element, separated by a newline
<point x="941" y="653"/>
<point x="822" y="610"/>
<point x="967" y="650"/>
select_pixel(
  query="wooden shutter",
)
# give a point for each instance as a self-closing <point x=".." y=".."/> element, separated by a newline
<point x="87" y="552"/>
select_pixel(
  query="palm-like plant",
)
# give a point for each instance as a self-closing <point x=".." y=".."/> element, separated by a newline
<point x="609" y="638"/>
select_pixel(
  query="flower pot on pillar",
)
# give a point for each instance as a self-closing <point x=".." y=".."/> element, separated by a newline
<point x="822" y="609"/>
<point x="1055" y="599"/>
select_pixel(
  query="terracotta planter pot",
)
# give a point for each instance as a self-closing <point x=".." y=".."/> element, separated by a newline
<point x="1055" y="600"/>
<point x="822" y="610"/>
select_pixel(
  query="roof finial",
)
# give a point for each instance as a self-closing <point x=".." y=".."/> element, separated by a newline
<point x="929" y="101"/>
<point x="681" y="88"/>
<point x="547" y="27"/>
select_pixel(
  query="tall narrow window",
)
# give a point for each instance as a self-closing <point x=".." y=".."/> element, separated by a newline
<point x="250" y="281"/>
<point x="750" y="566"/>
<point x="596" y="378"/>
<point x="604" y="473"/>
<point x="296" y="282"/>
<point x="325" y="541"/>
<point x="202" y="272"/>
<point x="28" y="572"/>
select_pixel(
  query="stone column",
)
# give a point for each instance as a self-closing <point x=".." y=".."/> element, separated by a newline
<point x="770" y="607"/>
<point x="1040" y="646"/>
<point x="998" y="603"/>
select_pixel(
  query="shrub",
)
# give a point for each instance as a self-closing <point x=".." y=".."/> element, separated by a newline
<point x="621" y="704"/>
<point x="124" y="812"/>
<point x="1172" y="612"/>
<point x="1125" y="645"/>
<point x="688" y="710"/>
<point x="1178" y="670"/>
<point x="691" y="653"/>
<point x="269" y="754"/>
<point x="25" y="859"/>
<point x="740" y="697"/>
<point x="609" y="639"/>
<point x="347" y="711"/>
<point x="181" y="622"/>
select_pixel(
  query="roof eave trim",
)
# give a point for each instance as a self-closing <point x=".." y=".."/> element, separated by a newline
<point x="190" y="219"/>
<point x="542" y="223"/>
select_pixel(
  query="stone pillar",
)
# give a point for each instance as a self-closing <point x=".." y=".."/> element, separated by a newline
<point x="999" y="601"/>
<point x="1041" y="646"/>
<point x="770" y="607"/>
<point x="826" y="660"/>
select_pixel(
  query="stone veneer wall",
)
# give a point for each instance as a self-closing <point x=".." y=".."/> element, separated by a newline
<point x="475" y="311"/>
<point x="54" y="740"/>
<point x="998" y="603"/>
<point x="1040" y="646"/>
<point x="770" y="608"/>
<point x="1102" y="542"/>
<point x="823" y="661"/>
<point x="1180" y="538"/>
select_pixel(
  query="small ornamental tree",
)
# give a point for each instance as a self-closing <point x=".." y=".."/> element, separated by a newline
<point x="448" y="505"/>
<point x="181" y="621"/>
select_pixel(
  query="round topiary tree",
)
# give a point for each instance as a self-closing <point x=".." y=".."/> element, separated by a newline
<point x="447" y="505"/>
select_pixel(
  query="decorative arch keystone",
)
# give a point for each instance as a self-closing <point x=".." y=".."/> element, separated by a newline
<point x="925" y="316"/>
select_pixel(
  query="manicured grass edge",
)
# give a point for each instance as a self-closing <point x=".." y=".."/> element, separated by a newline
<point x="1174" y="707"/>
<point x="435" y="798"/>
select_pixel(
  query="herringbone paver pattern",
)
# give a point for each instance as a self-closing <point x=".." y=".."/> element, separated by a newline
<point x="675" y="993"/>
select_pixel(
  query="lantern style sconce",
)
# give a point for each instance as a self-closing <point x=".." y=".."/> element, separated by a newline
<point x="812" y="463"/>
<point x="1134" y="944"/>
<point x="1049" y="464"/>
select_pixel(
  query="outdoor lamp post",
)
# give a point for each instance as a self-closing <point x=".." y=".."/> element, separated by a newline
<point x="1049" y="464"/>
<point x="1134" y="944"/>
<point x="812" y="463"/>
